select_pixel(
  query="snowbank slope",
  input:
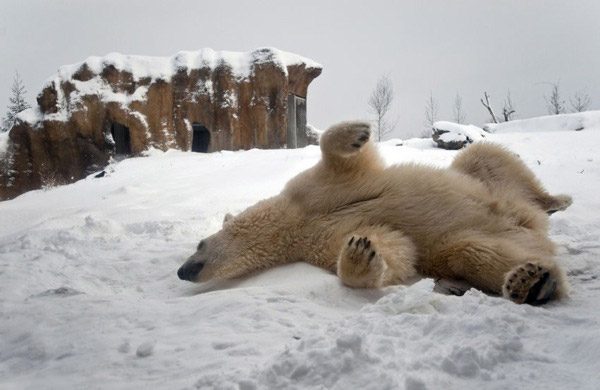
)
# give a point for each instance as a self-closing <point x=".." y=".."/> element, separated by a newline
<point x="90" y="298"/>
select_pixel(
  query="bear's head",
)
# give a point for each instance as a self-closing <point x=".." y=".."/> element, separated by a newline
<point x="250" y="241"/>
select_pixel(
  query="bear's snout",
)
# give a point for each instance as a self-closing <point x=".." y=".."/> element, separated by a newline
<point x="190" y="271"/>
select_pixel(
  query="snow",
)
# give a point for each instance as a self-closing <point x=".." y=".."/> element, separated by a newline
<point x="155" y="68"/>
<point x="455" y="132"/>
<point x="3" y="143"/>
<point x="30" y="115"/>
<point x="89" y="295"/>
<point x="578" y="121"/>
<point x="165" y="67"/>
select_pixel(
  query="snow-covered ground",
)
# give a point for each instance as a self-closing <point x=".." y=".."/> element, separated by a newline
<point x="574" y="121"/>
<point x="89" y="296"/>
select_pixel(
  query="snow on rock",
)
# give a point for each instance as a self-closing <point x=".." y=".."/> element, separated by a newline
<point x="89" y="291"/>
<point x="452" y="136"/>
<point x="3" y="143"/>
<point x="313" y="134"/>
<point x="156" y="100"/>
<point x="164" y="68"/>
<point x="150" y="69"/>
<point x="589" y="120"/>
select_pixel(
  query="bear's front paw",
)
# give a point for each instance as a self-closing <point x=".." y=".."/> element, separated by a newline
<point x="529" y="283"/>
<point x="360" y="265"/>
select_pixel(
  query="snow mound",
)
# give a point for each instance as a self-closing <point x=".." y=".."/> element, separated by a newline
<point x="589" y="120"/>
<point x="89" y="291"/>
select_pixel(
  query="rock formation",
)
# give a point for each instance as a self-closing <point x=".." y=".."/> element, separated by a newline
<point x="123" y="105"/>
<point x="454" y="136"/>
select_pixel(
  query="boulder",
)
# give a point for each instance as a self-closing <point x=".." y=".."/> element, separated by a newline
<point x="454" y="136"/>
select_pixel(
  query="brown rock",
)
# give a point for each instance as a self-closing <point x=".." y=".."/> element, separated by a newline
<point x="120" y="104"/>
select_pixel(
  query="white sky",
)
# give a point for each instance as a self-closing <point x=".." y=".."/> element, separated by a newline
<point x="441" y="46"/>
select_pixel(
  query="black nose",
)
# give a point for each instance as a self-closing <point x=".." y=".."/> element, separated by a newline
<point x="189" y="271"/>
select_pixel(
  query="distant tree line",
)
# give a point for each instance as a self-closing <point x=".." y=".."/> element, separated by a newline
<point x="382" y="97"/>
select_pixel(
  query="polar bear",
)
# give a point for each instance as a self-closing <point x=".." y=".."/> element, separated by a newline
<point x="482" y="221"/>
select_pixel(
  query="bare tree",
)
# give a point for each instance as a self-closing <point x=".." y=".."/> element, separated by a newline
<point x="486" y="103"/>
<point x="555" y="103"/>
<point x="380" y="103"/>
<point x="459" y="113"/>
<point x="431" y="112"/>
<point x="580" y="102"/>
<point x="17" y="103"/>
<point x="508" y="110"/>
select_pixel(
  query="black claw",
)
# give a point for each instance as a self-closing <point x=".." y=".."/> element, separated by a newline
<point x="363" y="138"/>
<point x="356" y="145"/>
<point x="371" y="255"/>
<point x="368" y="244"/>
<point x="531" y="273"/>
<point x="351" y="241"/>
<point x="514" y="295"/>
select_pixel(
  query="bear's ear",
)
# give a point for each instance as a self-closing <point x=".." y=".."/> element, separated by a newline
<point x="228" y="217"/>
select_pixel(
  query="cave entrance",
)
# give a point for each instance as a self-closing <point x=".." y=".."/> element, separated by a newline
<point x="122" y="138"/>
<point x="200" y="138"/>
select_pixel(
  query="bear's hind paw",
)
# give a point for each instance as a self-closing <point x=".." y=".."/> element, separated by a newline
<point x="529" y="283"/>
<point x="359" y="137"/>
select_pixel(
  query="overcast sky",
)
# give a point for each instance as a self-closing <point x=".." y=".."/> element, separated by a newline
<point x="443" y="47"/>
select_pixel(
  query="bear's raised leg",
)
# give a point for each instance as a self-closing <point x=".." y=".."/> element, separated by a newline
<point x="376" y="257"/>
<point x="501" y="265"/>
<point x="502" y="171"/>
<point x="346" y="146"/>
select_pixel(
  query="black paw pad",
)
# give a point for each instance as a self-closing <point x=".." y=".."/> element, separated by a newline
<point x="541" y="291"/>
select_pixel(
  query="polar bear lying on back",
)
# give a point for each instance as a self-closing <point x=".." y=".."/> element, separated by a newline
<point x="483" y="221"/>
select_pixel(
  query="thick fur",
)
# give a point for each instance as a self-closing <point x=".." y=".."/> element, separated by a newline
<point x="482" y="221"/>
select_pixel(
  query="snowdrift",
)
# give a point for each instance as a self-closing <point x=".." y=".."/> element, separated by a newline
<point x="90" y="297"/>
<point x="589" y="120"/>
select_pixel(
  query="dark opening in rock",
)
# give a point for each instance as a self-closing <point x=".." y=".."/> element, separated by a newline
<point x="122" y="139"/>
<point x="200" y="138"/>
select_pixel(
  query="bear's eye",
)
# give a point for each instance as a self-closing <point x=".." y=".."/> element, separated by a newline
<point x="200" y="245"/>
